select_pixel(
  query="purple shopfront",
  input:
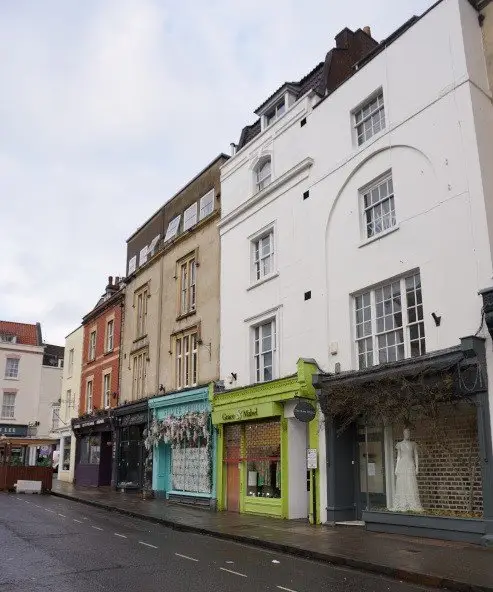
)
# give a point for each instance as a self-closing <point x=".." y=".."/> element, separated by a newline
<point x="94" y="455"/>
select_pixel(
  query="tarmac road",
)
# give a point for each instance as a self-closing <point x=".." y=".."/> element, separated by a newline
<point x="47" y="543"/>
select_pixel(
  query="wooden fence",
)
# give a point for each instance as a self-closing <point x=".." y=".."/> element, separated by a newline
<point x="10" y="474"/>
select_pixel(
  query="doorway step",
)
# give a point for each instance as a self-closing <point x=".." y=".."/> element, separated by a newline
<point x="350" y="523"/>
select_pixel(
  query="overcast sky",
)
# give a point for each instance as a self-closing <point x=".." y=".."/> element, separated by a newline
<point x="108" y="107"/>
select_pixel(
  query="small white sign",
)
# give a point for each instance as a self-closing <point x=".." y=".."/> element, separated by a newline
<point x="372" y="469"/>
<point x="311" y="458"/>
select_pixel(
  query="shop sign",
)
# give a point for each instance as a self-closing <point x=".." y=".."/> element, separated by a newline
<point x="240" y="414"/>
<point x="304" y="411"/>
<point x="13" y="430"/>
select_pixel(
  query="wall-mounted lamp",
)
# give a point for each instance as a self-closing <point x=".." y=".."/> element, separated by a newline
<point x="436" y="318"/>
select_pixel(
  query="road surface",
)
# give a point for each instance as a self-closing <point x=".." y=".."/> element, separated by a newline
<point x="57" y="545"/>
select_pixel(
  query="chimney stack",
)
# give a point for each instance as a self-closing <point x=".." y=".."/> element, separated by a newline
<point x="117" y="281"/>
<point x="110" y="281"/>
<point x="233" y="148"/>
<point x="367" y="30"/>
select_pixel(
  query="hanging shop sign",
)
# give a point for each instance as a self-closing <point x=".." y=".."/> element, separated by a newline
<point x="304" y="411"/>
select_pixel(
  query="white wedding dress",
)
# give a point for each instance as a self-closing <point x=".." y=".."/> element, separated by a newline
<point x="406" y="484"/>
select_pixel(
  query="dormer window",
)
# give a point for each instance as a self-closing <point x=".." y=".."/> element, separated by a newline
<point x="263" y="174"/>
<point x="7" y="338"/>
<point x="275" y="113"/>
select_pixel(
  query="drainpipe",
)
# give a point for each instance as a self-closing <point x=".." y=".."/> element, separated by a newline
<point x="159" y="324"/>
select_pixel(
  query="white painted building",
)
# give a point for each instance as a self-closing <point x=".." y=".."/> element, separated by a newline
<point x="68" y="406"/>
<point x="387" y="177"/>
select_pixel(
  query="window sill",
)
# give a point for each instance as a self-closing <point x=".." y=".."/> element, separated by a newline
<point x="378" y="236"/>
<point x="140" y="338"/>
<point x="109" y="351"/>
<point x="185" y="315"/>
<point x="263" y="280"/>
<point x="11" y="378"/>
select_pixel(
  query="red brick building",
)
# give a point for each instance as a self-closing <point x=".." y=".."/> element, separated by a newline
<point x="99" y="389"/>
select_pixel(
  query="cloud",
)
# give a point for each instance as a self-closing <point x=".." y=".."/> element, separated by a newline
<point x="109" y="106"/>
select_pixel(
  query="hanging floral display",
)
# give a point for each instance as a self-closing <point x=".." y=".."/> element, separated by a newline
<point x="190" y="429"/>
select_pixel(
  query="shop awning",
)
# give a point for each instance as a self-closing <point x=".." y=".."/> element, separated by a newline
<point x="16" y="442"/>
<point x="429" y="364"/>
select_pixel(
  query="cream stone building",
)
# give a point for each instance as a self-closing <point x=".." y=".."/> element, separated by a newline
<point x="170" y="323"/>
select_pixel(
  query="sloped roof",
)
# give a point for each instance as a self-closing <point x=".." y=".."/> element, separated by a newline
<point x="26" y="334"/>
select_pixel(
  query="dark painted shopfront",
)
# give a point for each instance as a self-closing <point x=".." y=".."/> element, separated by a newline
<point x="409" y="445"/>
<point x="130" y="422"/>
<point x="93" y="460"/>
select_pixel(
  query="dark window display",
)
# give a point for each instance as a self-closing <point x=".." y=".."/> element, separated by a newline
<point x="67" y="446"/>
<point x="263" y="459"/>
<point x="90" y="450"/>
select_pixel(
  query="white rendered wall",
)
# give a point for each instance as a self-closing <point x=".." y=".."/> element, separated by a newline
<point x="297" y="446"/>
<point x="431" y="144"/>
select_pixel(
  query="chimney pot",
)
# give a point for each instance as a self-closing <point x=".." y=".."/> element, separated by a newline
<point x="110" y="280"/>
<point x="367" y="30"/>
<point x="233" y="148"/>
<point x="117" y="280"/>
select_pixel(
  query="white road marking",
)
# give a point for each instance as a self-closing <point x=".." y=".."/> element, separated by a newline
<point x="48" y="510"/>
<point x="275" y="561"/>
<point x="286" y="589"/>
<point x="96" y="527"/>
<point x="186" y="557"/>
<point x="120" y="535"/>
<point x="236" y="573"/>
<point x="18" y="498"/>
<point x="75" y="520"/>
<point x="147" y="544"/>
<point x="26" y="502"/>
<point x="62" y="515"/>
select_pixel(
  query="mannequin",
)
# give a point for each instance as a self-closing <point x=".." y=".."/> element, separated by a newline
<point x="406" y="468"/>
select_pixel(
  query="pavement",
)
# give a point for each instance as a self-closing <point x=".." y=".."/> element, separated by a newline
<point x="455" y="566"/>
<point x="56" y="545"/>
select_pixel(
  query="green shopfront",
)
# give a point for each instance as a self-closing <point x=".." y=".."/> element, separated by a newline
<point x="262" y="448"/>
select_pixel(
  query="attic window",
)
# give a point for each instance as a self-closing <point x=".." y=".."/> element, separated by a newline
<point x="172" y="228"/>
<point x="206" y="204"/>
<point x="275" y="113"/>
<point x="5" y="338"/>
<point x="132" y="264"/>
<point x="190" y="217"/>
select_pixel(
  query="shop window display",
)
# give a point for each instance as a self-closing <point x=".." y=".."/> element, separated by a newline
<point x="263" y="456"/>
<point x="90" y="450"/>
<point x="66" y="454"/>
<point x="427" y="467"/>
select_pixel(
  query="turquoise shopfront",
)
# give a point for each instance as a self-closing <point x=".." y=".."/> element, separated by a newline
<point x="183" y="442"/>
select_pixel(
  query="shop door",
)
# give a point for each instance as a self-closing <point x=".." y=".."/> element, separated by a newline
<point x="232" y="441"/>
<point x="371" y="469"/>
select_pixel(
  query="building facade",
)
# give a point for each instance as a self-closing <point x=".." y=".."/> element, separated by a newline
<point x="346" y="219"/>
<point x="171" y="332"/>
<point x="99" y="388"/>
<point x="268" y="315"/>
<point x="68" y="407"/>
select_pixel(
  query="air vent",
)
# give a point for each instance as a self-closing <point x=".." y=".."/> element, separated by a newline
<point x="306" y="195"/>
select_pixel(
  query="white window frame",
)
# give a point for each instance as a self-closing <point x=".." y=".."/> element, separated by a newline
<point x="89" y="396"/>
<point x="143" y="255"/>
<point x="110" y="335"/>
<point x="55" y="418"/>
<point x="275" y="112"/>
<point x="186" y="359"/>
<point x="91" y="350"/>
<point x="257" y="272"/>
<point x="380" y="222"/>
<point x="132" y="264"/>
<point x="12" y="368"/>
<point x="376" y="117"/>
<point x="188" y="285"/>
<point x="173" y="228"/>
<point x="261" y="179"/>
<point x="106" y="390"/>
<point x="8" y="410"/>
<point x="141" y="308"/>
<point x="190" y="217"/>
<point x="258" y="352"/>
<point x="370" y="330"/>
<point x="71" y="354"/>
<point x="206" y="204"/>
<point x="139" y="375"/>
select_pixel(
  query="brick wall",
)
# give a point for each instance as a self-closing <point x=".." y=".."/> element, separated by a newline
<point x="450" y="462"/>
<point x="104" y="361"/>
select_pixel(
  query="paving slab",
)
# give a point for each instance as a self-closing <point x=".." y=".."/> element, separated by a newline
<point x="455" y="566"/>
